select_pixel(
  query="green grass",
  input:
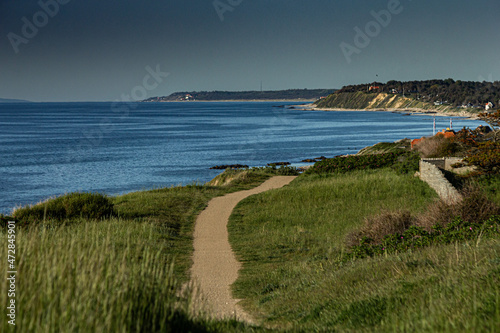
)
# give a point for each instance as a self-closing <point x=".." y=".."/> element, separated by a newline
<point x="100" y="276"/>
<point x="124" y="273"/>
<point x="386" y="147"/>
<point x="490" y="185"/>
<point x="113" y="274"/>
<point x="291" y="243"/>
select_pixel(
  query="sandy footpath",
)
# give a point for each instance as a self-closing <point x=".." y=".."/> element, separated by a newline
<point x="215" y="266"/>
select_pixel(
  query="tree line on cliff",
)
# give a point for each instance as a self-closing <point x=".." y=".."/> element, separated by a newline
<point x="290" y="94"/>
<point x="455" y="93"/>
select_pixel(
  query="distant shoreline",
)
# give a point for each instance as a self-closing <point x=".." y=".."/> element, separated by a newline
<point x="411" y="111"/>
<point x="235" y="100"/>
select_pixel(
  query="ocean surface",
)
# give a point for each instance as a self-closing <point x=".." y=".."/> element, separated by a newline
<point x="48" y="149"/>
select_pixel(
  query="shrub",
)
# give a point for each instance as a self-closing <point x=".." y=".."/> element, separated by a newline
<point x="407" y="163"/>
<point x="4" y="220"/>
<point x="378" y="226"/>
<point x="72" y="205"/>
<point x="442" y="223"/>
<point x="287" y="171"/>
<point x="355" y="162"/>
<point x="474" y="207"/>
<point x="438" y="146"/>
<point x="283" y="170"/>
<point x="486" y="157"/>
<point x="415" y="237"/>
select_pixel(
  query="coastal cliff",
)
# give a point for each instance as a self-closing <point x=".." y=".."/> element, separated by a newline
<point x="465" y="98"/>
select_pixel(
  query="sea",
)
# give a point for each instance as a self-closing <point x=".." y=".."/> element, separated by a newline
<point x="49" y="149"/>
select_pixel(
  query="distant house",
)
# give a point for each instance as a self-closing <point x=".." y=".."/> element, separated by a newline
<point x="489" y="106"/>
<point x="187" y="97"/>
<point x="374" y="88"/>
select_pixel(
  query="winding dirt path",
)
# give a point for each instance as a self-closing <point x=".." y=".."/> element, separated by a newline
<point x="215" y="267"/>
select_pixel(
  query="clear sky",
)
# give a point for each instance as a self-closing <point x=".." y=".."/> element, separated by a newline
<point x="99" y="50"/>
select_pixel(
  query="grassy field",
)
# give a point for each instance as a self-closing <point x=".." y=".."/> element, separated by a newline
<point x="115" y="274"/>
<point x="127" y="272"/>
<point x="291" y="243"/>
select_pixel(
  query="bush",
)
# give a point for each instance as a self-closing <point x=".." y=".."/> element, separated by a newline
<point x="378" y="226"/>
<point x="486" y="157"/>
<point x="407" y="163"/>
<point x="475" y="207"/>
<point x="72" y="205"/>
<point x="4" y="220"/>
<point x="442" y="223"/>
<point x="415" y="237"/>
<point x="438" y="146"/>
<point x="283" y="170"/>
<point x="355" y="162"/>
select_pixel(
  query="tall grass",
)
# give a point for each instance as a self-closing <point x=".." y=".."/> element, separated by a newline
<point x="294" y="275"/>
<point x="94" y="277"/>
<point x="112" y="274"/>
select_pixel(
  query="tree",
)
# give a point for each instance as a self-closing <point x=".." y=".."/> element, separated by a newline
<point x="492" y="119"/>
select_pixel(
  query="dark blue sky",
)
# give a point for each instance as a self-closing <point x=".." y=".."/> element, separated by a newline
<point x="99" y="50"/>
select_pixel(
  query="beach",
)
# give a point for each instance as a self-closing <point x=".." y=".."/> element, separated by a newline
<point x="412" y="111"/>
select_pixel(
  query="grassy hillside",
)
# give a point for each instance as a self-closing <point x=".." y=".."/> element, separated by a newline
<point x="294" y="276"/>
<point x="126" y="270"/>
<point x="118" y="273"/>
<point x="362" y="100"/>
<point x="386" y="147"/>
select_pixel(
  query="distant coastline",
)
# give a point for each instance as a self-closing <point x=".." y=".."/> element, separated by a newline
<point x="237" y="100"/>
<point x="245" y="96"/>
<point x="7" y="100"/>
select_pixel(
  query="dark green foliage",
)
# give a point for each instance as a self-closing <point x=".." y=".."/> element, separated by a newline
<point x="403" y="162"/>
<point x="281" y="171"/>
<point x="407" y="163"/>
<point x="308" y="94"/>
<point x="486" y="157"/>
<point x="452" y="92"/>
<point x="4" y="220"/>
<point x="72" y="205"/>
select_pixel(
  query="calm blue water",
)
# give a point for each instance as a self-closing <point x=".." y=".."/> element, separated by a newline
<point x="49" y="149"/>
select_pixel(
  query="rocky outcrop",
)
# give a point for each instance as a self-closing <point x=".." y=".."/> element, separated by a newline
<point x="229" y="166"/>
<point x="278" y="164"/>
